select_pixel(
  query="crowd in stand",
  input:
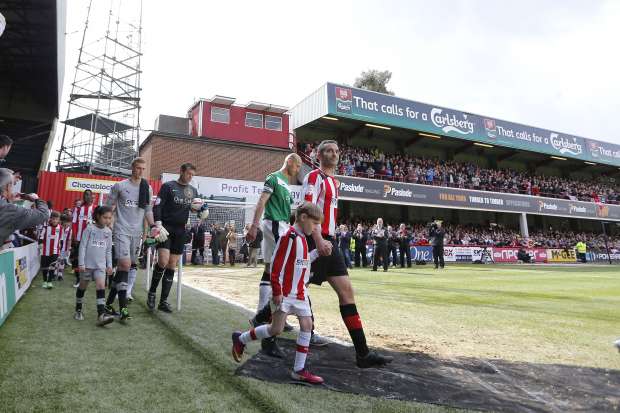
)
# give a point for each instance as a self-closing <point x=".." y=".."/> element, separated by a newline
<point x="496" y="236"/>
<point x="373" y="163"/>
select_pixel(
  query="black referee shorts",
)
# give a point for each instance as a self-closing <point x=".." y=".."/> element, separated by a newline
<point x="177" y="237"/>
<point x="327" y="266"/>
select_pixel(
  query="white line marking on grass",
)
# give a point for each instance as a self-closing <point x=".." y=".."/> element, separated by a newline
<point x="220" y="297"/>
<point x="252" y="312"/>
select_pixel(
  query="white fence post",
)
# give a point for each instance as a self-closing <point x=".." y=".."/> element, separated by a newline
<point x="180" y="281"/>
<point x="148" y="268"/>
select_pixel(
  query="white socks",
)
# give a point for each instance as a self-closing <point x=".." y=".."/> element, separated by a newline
<point x="257" y="333"/>
<point x="303" y="342"/>
<point x="131" y="280"/>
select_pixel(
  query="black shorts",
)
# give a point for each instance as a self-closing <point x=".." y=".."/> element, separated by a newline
<point x="73" y="256"/>
<point x="177" y="237"/>
<point x="47" y="261"/>
<point x="329" y="266"/>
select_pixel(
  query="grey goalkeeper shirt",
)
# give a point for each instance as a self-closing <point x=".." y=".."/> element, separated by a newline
<point x="96" y="248"/>
<point x="128" y="217"/>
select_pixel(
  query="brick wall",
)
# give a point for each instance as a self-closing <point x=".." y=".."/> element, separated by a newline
<point x="220" y="160"/>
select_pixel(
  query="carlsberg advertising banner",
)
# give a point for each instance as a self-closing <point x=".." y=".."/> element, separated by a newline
<point x="379" y="108"/>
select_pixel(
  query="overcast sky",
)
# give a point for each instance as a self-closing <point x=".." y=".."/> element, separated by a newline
<point x="543" y="63"/>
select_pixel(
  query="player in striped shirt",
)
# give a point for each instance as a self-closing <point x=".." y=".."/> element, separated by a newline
<point x="50" y="241"/>
<point x="82" y="215"/>
<point x="290" y="273"/>
<point x="65" y="245"/>
<point x="320" y="187"/>
<point x="274" y="207"/>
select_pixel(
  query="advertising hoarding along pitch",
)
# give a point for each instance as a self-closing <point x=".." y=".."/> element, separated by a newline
<point x="382" y="109"/>
<point x="369" y="190"/>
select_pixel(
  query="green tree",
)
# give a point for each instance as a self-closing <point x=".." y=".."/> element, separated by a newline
<point x="374" y="80"/>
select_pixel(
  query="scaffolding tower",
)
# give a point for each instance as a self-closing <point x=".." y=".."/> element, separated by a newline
<point x="101" y="129"/>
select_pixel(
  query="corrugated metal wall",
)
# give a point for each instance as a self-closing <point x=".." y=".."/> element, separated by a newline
<point x="309" y="109"/>
<point x="52" y="188"/>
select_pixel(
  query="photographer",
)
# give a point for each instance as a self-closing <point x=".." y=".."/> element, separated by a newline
<point x="436" y="235"/>
<point x="404" y="239"/>
<point x="380" y="238"/>
<point x="360" y="236"/>
<point x="13" y="217"/>
<point x="523" y="256"/>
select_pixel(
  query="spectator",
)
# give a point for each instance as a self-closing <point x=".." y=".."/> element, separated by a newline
<point x="223" y="239"/>
<point x="5" y="147"/>
<point x="254" y="246"/>
<point x="214" y="245"/>
<point x="199" y="230"/>
<point x="523" y="256"/>
<point x="436" y="235"/>
<point x="360" y="236"/>
<point x="393" y="244"/>
<point x="13" y="217"/>
<point x="403" y="244"/>
<point x="232" y="244"/>
<point x="380" y="239"/>
<point x="344" y="243"/>
<point x="372" y="163"/>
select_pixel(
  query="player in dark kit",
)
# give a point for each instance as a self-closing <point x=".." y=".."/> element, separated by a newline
<point x="171" y="213"/>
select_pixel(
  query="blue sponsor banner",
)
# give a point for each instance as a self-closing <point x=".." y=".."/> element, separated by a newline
<point x="379" y="108"/>
<point x="418" y="253"/>
<point x="422" y="253"/>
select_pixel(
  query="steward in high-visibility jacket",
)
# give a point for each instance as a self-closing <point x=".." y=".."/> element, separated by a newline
<point x="581" y="248"/>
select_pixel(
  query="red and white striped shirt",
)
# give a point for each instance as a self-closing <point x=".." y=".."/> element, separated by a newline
<point x="322" y="189"/>
<point x="51" y="237"/>
<point x="67" y="237"/>
<point x="290" y="265"/>
<point x="82" y="216"/>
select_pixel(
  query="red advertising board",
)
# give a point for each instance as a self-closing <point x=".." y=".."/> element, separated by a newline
<point x="64" y="188"/>
<point x="509" y="254"/>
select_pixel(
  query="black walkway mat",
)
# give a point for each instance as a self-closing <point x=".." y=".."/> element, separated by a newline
<point x="494" y="385"/>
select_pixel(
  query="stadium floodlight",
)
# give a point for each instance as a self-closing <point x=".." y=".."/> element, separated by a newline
<point x="428" y="135"/>
<point x="484" y="145"/>
<point x="372" y="125"/>
<point x="589" y="163"/>
<point x="559" y="158"/>
<point x="329" y="118"/>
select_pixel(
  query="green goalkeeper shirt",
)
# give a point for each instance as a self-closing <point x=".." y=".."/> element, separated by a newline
<point x="278" y="206"/>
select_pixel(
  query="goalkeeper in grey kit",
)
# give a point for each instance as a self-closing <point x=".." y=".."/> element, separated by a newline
<point x="171" y="212"/>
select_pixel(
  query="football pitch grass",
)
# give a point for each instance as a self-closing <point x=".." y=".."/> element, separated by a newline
<point x="181" y="362"/>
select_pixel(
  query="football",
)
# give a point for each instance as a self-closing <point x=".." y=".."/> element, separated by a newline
<point x="196" y="204"/>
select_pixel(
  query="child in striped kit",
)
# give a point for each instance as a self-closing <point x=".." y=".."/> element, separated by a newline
<point x="49" y="238"/>
<point x="290" y="273"/>
<point x="65" y="246"/>
<point x="95" y="261"/>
